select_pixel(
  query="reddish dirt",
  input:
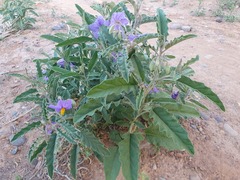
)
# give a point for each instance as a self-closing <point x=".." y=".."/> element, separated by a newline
<point x="217" y="150"/>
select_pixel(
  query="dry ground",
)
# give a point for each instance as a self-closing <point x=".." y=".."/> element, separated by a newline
<point x="218" y="44"/>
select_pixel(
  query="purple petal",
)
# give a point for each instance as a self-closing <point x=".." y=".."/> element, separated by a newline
<point x="45" y="78"/>
<point x="175" y="94"/>
<point x="61" y="63"/>
<point x="67" y="104"/>
<point x="132" y="37"/>
<point x="118" y="20"/>
<point x="44" y="71"/>
<point x="154" y="90"/>
<point x="48" y="129"/>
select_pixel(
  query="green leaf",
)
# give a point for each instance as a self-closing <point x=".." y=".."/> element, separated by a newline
<point x="87" y="109"/>
<point x="162" y="23"/>
<point x="129" y="155"/>
<point x="198" y="104"/>
<point x="86" y="137"/>
<point x="180" y="109"/>
<point x="24" y="94"/>
<point x="112" y="164"/>
<point x="78" y="40"/>
<point x="26" y="129"/>
<point x="137" y="67"/>
<point x="112" y="86"/>
<point x="191" y="61"/>
<point x="169" y="134"/>
<point x="111" y="49"/>
<point x="39" y="70"/>
<point x="66" y="136"/>
<point x="64" y="71"/>
<point x="145" y="37"/>
<point x="50" y="156"/>
<point x="74" y="160"/>
<point x="123" y="64"/>
<point x="93" y="61"/>
<point x="37" y="151"/>
<point x="147" y="19"/>
<point x="178" y="40"/>
<point x="25" y="78"/>
<point x="52" y="38"/>
<point x="86" y="16"/>
<point x="202" y="89"/>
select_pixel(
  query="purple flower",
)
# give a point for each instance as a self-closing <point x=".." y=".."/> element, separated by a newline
<point x="45" y="78"/>
<point x="132" y="37"/>
<point x="175" y="94"/>
<point x="118" y="21"/>
<point x="95" y="27"/>
<point x="61" y="63"/>
<point x="154" y="90"/>
<point x="44" y="71"/>
<point x="115" y="56"/>
<point x="72" y="66"/>
<point x="62" y="106"/>
<point x="48" y="129"/>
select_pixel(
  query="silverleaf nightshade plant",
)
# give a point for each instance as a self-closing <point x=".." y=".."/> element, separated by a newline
<point x="106" y="78"/>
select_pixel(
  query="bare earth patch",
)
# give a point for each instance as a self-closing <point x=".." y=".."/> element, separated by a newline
<point x="216" y="136"/>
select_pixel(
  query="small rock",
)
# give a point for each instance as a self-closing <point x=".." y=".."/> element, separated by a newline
<point x="230" y="130"/>
<point x="193" y="126"/>
<point x="175" y="26"/>
<point x="219" y="19"/>
<point x="14" y="151"/>
<point x="218" y="119"/>
<point x="186" y="28"/>
<point x="34" y="162"/>
<point x="58" y="27"/>
<point x="204" y="116"/>
<point x="179" y="155"/>
<point x="154" y="166"/>
<point x="18" y="142"/>
<point x="161" y="178"/>
<point x="194" y="177"/>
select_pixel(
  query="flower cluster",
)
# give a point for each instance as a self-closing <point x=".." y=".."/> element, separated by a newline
<point x="117" y="23"/>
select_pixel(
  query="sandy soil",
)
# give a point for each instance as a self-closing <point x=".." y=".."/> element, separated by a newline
<point x="217" y="146"/>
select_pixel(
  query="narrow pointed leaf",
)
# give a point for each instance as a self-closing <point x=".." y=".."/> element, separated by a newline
<point x="93" y="61"/>
<point x="86" y="16"/>
<point x="171" y="129"/>
<point x="112" y="164"/>
<point x="74" y="160"/>
<point x="180" y="109"/>
<point x="24" y="94"/>
<point x="51" y="145"/>
<point x="178" y="40"/>
<point x="137" y="67"/>
<point x="52" y="38"/>
<point x="162" y="23"/>
<point x="129" y="156"/>
<point x="78" y="40"/>
<point x="112" y="86"/>
<point x="123" y="65"/>
<point x="28" y="128"/>
<point x="202" y="89"/>
<point x="37" y="151"/>
<point x="66" y="136"/>
<point x="39" y="70"/>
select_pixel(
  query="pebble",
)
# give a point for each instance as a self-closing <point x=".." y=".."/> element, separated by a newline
<point x="154" y="166"/>
<point x="175" y="26"/>
<point x="14" y="150"/>
<point x="219" y="19"/>
<point x="18" y="142"/>
<point x="193" y="126"/>
<point x="230" y="130"/>
<point x="219" y="119"/>
<point x="186" y="28"/>
<point x="194" y="177"/>
<point x="204" y="116"/>
<point x="34" y="162"/>
<point x="60" y="26"/>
